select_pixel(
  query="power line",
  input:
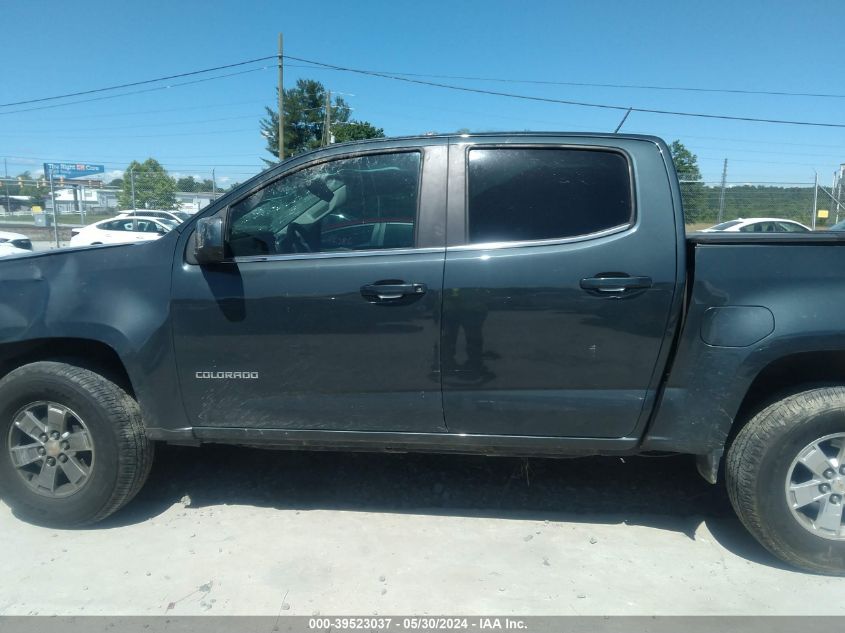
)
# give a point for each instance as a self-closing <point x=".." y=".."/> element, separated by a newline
<point x="118" y="136"/>
<point x="542" y="82"/>
<point x="585" y="104"/>
<point x="139" y="83"/>
<point x="134" y="92"/>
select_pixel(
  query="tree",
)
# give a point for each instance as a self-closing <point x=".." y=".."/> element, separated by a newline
<point x="190" y="184"/>
<point x="24" y="184"/>
<point x="154" y="189"/>
<point x="692" y="186"/>
<point x="356" y="130"/>
<point x="186" y="184"/>
<point x="305" y="113"/>
<point x="686" y="163"/>
<point x="117" y="183"/>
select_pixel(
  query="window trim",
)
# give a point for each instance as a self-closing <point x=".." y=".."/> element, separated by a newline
<point x="314" y="163"/>
<point x="619" y="228"/>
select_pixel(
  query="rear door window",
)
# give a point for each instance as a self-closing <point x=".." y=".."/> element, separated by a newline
<point x="522" y="194"/>
<point x="116" y="225"/>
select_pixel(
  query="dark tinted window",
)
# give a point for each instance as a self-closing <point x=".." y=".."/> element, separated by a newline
<point x="363" y="203"/>
<point x="116" y="225"/>
<point x="759" y="227"/>
<point x="791" y="227"/>
<point x="536" y="194"/>
<point x="22" y="243"/>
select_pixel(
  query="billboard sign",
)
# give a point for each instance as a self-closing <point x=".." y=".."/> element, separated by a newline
<point x="72" y="170"/>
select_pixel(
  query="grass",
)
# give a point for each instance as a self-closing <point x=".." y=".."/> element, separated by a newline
<point x="698" y="226"/>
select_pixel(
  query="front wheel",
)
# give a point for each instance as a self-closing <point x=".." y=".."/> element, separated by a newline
<point x="786" y="479"/>
<point x="72" y="445"/>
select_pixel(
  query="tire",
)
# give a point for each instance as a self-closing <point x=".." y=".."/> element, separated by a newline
<point x="763" y="471"/>
<point x="104" y="457"/>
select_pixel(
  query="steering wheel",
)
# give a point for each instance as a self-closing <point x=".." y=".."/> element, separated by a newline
<point x="295" y="240"/>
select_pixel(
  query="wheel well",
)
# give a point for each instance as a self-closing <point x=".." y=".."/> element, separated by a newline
<point x="90" y="354"/>
<point x="790" y="374"/>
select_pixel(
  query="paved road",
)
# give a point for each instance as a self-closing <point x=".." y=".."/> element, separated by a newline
<point x="301" y="533"/>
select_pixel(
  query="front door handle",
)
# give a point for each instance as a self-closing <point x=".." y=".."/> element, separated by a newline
<point x="391" y="291"/>
<point x="615" y="285"/>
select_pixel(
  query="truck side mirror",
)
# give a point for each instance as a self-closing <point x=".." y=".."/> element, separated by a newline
<point x="209" y="241"/>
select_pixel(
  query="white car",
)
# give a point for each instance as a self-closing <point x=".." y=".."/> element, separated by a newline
<point x="759" y="225"/>
<point x="6" y="249"/>
<point x="15" y="240"/>
<point x="121" y="230"/>
<point x="176" y="216"/>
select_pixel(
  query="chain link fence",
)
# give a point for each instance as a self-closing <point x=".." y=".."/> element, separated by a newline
<point x="707" y="203"/>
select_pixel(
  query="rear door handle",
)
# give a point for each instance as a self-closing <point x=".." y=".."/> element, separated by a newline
<point x="389" y="291"/>
<point x="615" y="285"/>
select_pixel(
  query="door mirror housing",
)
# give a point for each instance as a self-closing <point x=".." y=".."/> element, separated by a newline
<point x="209" y="248"/>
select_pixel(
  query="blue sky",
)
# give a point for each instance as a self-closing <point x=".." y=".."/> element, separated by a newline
<point x="58" y="47"/>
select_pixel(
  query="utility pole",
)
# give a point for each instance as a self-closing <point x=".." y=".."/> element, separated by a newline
<point x="722" y="194"/>
<point x="815" y="201"/>
<point x="213" y="186"/>
<point x="281" y="102"/>
<point x="55" y="210"/>
<point x="81" y="189"/>
<point x="327" y="122"/>
<point x="839" y="190"/>
<point x="6" y="186"/>
<point x="132" y="180"/>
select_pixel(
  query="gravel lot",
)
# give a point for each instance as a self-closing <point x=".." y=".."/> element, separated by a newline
<point x="303" y="533"/>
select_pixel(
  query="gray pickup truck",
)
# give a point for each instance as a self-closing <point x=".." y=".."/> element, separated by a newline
<point x="521" y="294"/>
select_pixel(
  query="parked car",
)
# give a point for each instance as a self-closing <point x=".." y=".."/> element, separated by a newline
<point x="16" y="240"/>
<point x="6" y="249"/>
<point x="549" y="305"/>
<point x="176" y="216"/>
<point x="119" y="230"/>
<point x="759" y="225"/>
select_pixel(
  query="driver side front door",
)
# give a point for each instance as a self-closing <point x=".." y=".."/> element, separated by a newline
<point x="327" y="314"/>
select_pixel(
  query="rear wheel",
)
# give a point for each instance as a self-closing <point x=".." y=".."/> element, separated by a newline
<point x="72" y="445"/>
<point x="786" y="479"/>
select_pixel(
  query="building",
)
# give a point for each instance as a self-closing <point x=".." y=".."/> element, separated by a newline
<point x="193" y="202"/>
<point x="103" y="201"/>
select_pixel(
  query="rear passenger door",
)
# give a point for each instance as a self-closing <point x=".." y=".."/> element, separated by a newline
<point x="559" y="280"/>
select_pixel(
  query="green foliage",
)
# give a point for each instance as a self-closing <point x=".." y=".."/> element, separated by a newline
<point x="154" y="188"/>
<point x="356" y="130"/>
<point x="686" y="166"/>
<point x="25" y="184"/>
<point x="701" y="202"/>
<point x="686" y="163"/>
<point x="751" y="201"/>
<point x="190" y="184"/>
<point x="305" y="113"/>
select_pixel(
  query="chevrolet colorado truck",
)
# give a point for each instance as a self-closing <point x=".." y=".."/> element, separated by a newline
<point x="524" y="294"/>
